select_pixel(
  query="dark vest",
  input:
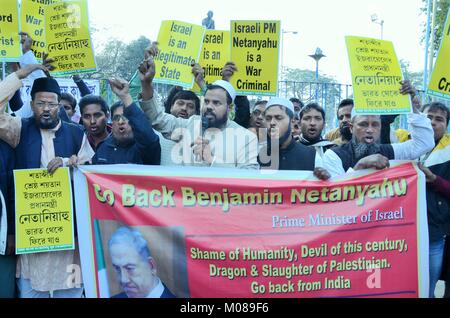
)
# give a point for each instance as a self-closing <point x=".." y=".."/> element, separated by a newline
<point x="347" y="155"/>
<point x="295" y="157"/>
<point x="67" y="142"/>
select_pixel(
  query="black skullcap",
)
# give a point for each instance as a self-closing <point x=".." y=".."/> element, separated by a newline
<point x="45" y="84"/>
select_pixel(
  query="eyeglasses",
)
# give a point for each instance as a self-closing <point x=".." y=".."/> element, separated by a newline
<point x="43" y="104"/>
<point x="118" y="117"/>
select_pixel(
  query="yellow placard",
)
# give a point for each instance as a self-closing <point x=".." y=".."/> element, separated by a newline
<point x="255" y="50"/>
<point x="68" y="39"/>
<point x="32" y="21"/>
<point x="180" y="45"/>
<point x="439" y="85"/>
<point x="376" y="77"/>
<point x="44" y="213"/>
<point x="215" y="53"/>
<point x="10" y="49"/>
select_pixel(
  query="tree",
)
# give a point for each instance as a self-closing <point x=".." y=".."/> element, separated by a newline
<point x="120" y="59"/>
<point x="326" y="91"/>
<point x="441" y="16"/>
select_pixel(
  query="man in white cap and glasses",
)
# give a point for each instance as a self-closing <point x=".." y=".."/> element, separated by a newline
<point x="210" y="139"/>
<point x="283" y="152"/>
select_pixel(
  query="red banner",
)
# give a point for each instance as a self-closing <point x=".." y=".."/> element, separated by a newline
<point x="256" y="236"/>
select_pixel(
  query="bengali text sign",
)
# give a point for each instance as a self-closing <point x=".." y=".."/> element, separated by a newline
<point x="68" y="38"/>
<point x="376" y="77"/>
<point x="44" y="215"/>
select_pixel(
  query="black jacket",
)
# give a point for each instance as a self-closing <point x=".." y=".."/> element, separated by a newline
<point x="438" y="206"/>
<point x="348" y="158"/>
<point x="295" y="157"/>
<point x="144" y="150"/>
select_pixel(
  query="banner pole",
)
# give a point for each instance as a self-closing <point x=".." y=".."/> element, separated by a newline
<point x="427" y="46"/>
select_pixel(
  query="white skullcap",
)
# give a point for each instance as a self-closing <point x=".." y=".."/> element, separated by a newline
<point x="278" y="101"/>
<point x="354" y="114"/>
<point x="226" y="86"/>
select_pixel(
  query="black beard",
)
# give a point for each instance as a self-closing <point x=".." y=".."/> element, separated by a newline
<point x="346" y="133"/>
<point x="363" y="150"/>
<point x="48" y="125"/>
<point x="216" y="122"/>
<point x="308" y="141"/>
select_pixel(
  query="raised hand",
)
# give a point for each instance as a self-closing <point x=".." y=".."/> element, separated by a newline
<point x="199" y="73"/>
<point x="152" y="50"/>
<point x="121" y="88"/>
<point x="228" y="70"/>
<point x="30" y="68"/>
<point x="26" y="42"/>
<point x="408" y="88"/>
<point x="147" y="70"/>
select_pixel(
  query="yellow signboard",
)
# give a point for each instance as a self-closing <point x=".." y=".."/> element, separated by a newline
<point x="255" y="50"/>
<point x="180" y="45"/>
<point x="32" y="21"/>
<point x="376" y="77"/>
<point x="68" y="38"/>
<point x="439" y="85"/>
<point x="215" y="53"/>
<point x="44" y="214"/>
<point x="10" y="49"/>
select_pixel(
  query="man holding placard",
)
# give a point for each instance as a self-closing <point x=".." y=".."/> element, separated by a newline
<point x="7" y="258"/>
<point x="365" y="151"/>
<point x="44" y="141"/>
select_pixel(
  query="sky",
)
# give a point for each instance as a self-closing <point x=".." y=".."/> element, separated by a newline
<point x="319" y="23"/>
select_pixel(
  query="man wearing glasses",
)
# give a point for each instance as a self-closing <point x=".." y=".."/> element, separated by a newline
<point x="44" y="141"/>
<point x="132" y="139"/>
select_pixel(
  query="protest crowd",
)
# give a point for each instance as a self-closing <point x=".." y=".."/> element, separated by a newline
<point x="218" y="128"/>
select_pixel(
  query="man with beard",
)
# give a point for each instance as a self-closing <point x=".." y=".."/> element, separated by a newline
<point x="132" y="139"/>
<point x="312" y="121"/>
<point x="181" y="103"/>
<point x="342" y="134"/>
<point x="210" y="140"/>
<point x="283" y="152"/>
<point x="44" y="141"/>
<point x="365" y="151"/>
<point x="8" y="86"/>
